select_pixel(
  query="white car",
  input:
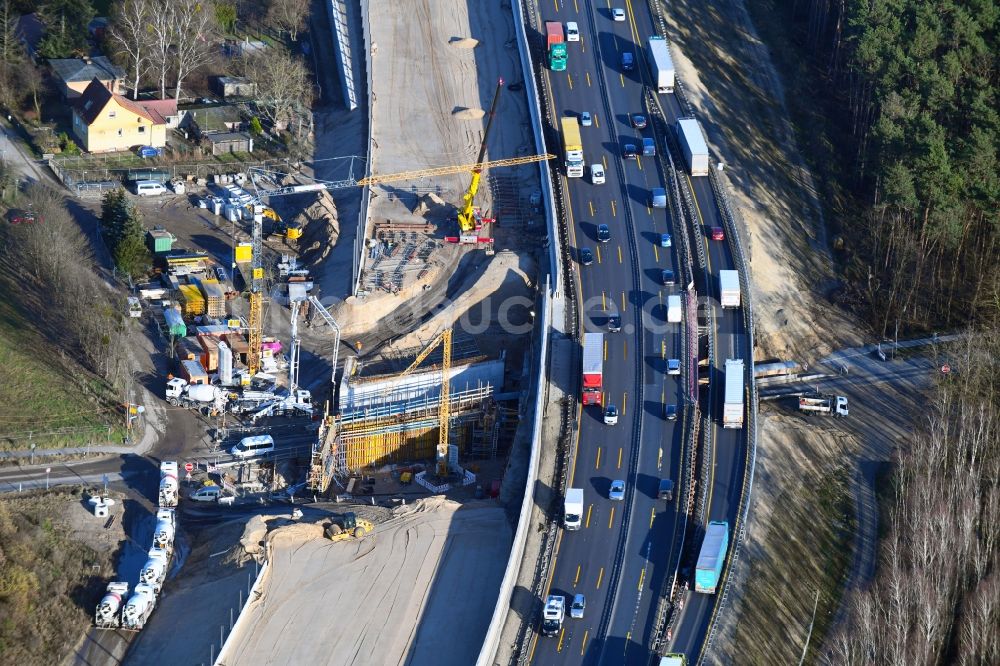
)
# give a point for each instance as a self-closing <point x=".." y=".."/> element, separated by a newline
<point x="617" y="491"/>
<point x="572" y="32"/>
<point x="618" y="14"/>
<point x="597" y="174"/>
<point x="611" y="415"/>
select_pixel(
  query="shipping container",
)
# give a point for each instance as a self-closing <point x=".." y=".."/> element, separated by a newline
<point x="194" y="372"/>
<point x="593" y="368"/>
<point x="729" y="289"/>
<point x="210" y="357"/>
<point x="732" y="407"/>
<point x="661" y="64"/>
<point x="244" y="252"/>
<point x="159" y="241"/>
<point x="175" y="322"/>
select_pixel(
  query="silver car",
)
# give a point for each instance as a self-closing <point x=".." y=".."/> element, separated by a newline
<point x="579" y="606"/>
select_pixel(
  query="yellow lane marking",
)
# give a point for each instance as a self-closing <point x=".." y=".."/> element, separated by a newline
<point x="599" y="258"/>
<point x="591" y="204"/>
<point x="619" y="254"/>
<point x="624" y="400"/>
<point x="614" y="209"/>
<point x="600" y="577"/>
<point x="577" y="579"/>
<point x="611" y="518"/>
<point x="652" y="516"/>
<point x="656" y="254"/>
<point x="642" y="577"/>
<point x="589" y="509"/>
<point x="588" y="79"/>
<point x="562" y="633"/>
<point x="569" y="78"/>
<point x="584" y="644"/>
<point x="597" y="465"/>
<point x="620" y="457"/>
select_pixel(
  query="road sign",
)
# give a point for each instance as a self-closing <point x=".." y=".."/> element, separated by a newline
<point x="188" y="467"/>
<point x="946" y="368"/>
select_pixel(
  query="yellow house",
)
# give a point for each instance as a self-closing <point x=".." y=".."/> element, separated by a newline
<point x="106" y="122"/>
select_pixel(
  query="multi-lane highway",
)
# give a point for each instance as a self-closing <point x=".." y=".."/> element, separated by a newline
<point x="619" y="557"/>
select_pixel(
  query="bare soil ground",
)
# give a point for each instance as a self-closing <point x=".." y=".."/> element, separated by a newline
<point x="384" y="599"/>
<point x="56" y="560"/>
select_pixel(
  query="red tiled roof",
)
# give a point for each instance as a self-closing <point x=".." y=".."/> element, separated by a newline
<point x="96" y="97"/>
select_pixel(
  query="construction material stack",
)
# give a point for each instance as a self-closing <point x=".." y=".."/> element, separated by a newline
<point x="192" y="301"/>
<point x="215" y="298"/>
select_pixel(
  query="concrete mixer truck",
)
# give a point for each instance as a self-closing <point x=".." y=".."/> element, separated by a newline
<point x="163" y="533"/>
<point x="139" y="607"/>
<point x="168" y="484"/>
<point x="108" y="614"/>
<point x="207" y="399"/>
<point x="154" y="571"/>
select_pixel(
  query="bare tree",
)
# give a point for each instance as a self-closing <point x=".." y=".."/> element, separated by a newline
<point x="131" y="33"/>
<point x="284" y="87"/>
<point x="288" y="15"/>
<point x="195" y="38"/>
<point x="161" y="39"/>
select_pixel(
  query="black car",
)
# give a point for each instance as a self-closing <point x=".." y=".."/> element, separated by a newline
<point x="603" y="233"/>
<point x="638" y="121"/>
<point x="614" y="323"/>
<point x="670" y="412"/>
<point x="629" y="152"/>
<point x="628" y="61"/>
<point x="667" y="276"/>
<point x="586" y="256"/>
<point x="666" y="490"/>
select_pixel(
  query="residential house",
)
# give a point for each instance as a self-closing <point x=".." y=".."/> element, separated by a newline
<point x="75" y="74"/>
<point x="202" y="120"/>
<point x="233" y="86"/>
<point x="105" y="121"/>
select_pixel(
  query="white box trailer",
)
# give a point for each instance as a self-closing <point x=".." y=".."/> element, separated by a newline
<point x="693" y="144"/>
<point x="573" y="509"/>
<point x="732" y="408"/>
<point x="729" y="289"/>
<point x="661" y="64"/>
<point x="674" y="308"/>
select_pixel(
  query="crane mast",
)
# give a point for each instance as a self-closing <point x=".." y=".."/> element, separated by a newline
<point x="468" y="221"/>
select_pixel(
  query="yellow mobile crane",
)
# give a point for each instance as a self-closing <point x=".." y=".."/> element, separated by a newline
<point x="470" y="221"/>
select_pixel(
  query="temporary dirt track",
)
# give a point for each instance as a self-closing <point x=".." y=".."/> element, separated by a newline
<point x="420" y="591"/>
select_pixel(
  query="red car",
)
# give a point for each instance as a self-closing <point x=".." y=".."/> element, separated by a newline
<point x="718" y="234"/>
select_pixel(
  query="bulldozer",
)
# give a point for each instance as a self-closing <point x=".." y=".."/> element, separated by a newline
<point x="348" y="527"/>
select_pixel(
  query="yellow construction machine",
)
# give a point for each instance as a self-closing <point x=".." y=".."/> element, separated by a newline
<point x="348" y="527"/>
<point x="470" y="221"/>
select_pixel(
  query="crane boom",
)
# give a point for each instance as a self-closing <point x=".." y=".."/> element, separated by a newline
<point x="378" y="179"/>
<point x="467" y="222"/>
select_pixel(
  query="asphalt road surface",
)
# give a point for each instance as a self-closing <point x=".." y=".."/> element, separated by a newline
<point x="618" y="558"/>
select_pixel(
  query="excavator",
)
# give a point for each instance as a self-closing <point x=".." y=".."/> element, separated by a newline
<point x="470" y="220"/>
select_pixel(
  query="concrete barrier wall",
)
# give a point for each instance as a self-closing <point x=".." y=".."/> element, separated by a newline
<point x="342" y="49"/>
<point x="553" y="290"/>
<point x="252" y="595"/>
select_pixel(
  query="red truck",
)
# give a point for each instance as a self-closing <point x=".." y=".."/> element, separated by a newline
<point x="593" y="368"/>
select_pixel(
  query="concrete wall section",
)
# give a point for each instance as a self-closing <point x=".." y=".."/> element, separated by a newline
<point x="419" y="385"/>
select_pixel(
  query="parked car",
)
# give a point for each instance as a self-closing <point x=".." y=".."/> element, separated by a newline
<point x="617" y="490"/>
<point x="585" y="119"/>
<point x="603" y="233"/>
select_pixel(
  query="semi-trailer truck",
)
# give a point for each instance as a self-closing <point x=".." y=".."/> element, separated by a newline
<point x="729" y="289"/>
<point x="661" y="64"/>
<point x="593" y="368"/>
<point x="694" y="146"/>
<point x="711" y="558"/>
<point x="573" y="509"/>
<point x="674" y="308"/>
<point x="574" y="146"/>
<point x="555" y="44"/>
<point x="732" y="407"/>
<point x="827" y="405"/>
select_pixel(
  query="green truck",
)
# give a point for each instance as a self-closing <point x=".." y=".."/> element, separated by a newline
<point x="555" y="43"/>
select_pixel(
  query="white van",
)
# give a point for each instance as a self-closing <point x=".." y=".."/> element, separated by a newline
<point x="206" y="494"/>
<point x="249" y="447"/>
<point x="149" y="188"/>
<point x="572" y="32"/>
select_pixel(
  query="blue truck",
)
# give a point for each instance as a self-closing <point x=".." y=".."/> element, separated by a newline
<point x="711" y="558"/>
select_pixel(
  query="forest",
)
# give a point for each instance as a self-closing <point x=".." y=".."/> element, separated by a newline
<point x="911" y="100"/>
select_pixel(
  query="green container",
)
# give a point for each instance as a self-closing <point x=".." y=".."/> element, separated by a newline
<point x="159" y="242"/>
